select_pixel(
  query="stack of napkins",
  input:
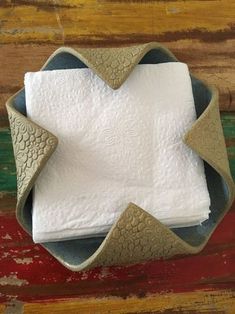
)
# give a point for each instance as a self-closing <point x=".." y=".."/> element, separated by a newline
<point x="115" y="147"/>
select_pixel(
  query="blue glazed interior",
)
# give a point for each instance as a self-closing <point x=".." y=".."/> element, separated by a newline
<point x="77" y="251"/>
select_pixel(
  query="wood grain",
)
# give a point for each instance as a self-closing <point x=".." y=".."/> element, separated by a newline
<point x="192" y="302"/>
<point x="93" y="21"/>
<point x="200" y="33"/>
<point x="216" y="68"/>
<point x="29" y="273"/>
<point x="204" y="302"/>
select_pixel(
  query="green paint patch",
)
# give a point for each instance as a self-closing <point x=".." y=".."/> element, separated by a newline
<point x="7" y="162"/>
<point x="231" y="152"/>
<point x="231" y="156"/>
<point x="228" y="116"/>
<point x="232" y="168"/>
<point x="228" y="122"/>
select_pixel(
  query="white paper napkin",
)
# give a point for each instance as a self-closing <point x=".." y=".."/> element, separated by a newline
<point x="115" y="147"/>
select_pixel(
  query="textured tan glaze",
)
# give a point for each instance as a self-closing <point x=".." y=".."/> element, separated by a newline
<point x="136" y="236"/>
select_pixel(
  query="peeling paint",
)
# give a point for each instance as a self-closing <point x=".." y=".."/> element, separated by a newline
<point x="2" y="194"/>
<point x="12" y="280"/>
<point x="26" y="251"/>
<point x="20" y="235"/>
<point x="84" y="276"/>
<point x="172" y="10"/>
<point x="26" y="260"/>
<point x="6" y="237"/>
<point x="14" y="307"/>
<point x="104" y="272"/>
<point x="10" y="297"/>
<point x="5" y="254"/>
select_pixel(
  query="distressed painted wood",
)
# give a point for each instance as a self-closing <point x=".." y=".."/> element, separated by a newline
<point x="204" y="60"/>
<point x="30" y="273"/>
<point x="205" y="302"/>
<point x="92" y="21"/>
<point x="201" y="33"/>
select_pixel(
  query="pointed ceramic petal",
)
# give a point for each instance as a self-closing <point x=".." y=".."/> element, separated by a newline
<point x="32" y="147"/>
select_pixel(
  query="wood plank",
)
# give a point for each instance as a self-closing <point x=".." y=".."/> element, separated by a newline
<point x="89" y="21"/>
<point x="22" y="23"/>
<point x="211" y="302"/>
<point x="39" y="276"/>
<point x="192" y="302"/>
<point x="210" y="62"/>
<point x="200" y="33"/>
<point x="29" y="272"/>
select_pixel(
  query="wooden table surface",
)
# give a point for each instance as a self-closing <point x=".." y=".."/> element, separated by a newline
<point x="199" y="32"/>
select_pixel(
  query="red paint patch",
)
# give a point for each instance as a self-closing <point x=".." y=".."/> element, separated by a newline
<point x="213" y="268"/>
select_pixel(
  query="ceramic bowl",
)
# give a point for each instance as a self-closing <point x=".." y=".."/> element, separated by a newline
<point x="154" y="239"/>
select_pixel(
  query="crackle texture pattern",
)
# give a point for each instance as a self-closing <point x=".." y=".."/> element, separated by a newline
<point x="210" y="144"/>
<point x="145" y="238"/>
<point x="113" y="64"/>
<point x="31" y="145"/>
<point x="138" y="236"/>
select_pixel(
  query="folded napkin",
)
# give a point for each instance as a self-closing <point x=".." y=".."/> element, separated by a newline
<point x="115" y="147"/>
